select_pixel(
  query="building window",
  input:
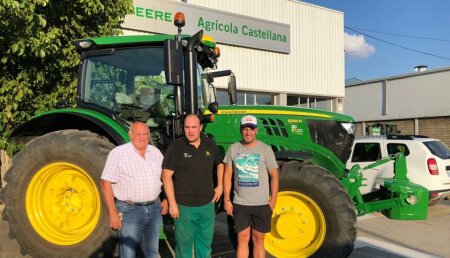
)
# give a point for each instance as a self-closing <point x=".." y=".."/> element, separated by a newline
<point x="312" y="102"/>
<point x="304" y="101"/>
<point x="244" y="98"/>
<point x="222" y="97"/>
<point x="319" y="103"/>
<point x="324" y="104"/>
<point x="241" y="98"/>
<point x="249" y="99"/>
<point x="263" y="99"/>
<point x="293" y="101"/>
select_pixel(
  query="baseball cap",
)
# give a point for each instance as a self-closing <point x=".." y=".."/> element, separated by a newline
<point x="249" y="121"/>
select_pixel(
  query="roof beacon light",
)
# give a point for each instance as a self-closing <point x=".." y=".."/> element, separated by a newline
<point x="216" y="52"/>
<point x="179" y="20"/>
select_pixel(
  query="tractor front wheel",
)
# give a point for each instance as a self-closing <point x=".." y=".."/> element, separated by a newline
<point x="314" y="215"/>
<point x="52" y="197"/>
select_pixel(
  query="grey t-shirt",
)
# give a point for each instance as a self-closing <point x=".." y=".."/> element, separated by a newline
<point x="250" y="172"/>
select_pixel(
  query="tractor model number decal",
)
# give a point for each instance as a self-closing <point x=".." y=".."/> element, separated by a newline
<point x="291" y="121"/>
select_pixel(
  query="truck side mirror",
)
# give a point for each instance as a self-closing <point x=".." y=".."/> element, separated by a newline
<point x="173" y="62"/>
<point x="232" y="89"/>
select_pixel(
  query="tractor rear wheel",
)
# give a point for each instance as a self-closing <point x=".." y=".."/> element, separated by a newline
<point x="314" y="215"/>
<point x="52" y="197"/>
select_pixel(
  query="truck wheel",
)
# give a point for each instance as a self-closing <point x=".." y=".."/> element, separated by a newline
<point x="314" y="215"/>
<point x="52" y="197"/>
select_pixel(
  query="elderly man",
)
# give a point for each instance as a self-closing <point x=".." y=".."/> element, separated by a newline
<point x="131" y="185"/>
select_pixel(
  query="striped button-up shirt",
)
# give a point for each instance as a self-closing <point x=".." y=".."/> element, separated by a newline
<point x="133" y="177"/>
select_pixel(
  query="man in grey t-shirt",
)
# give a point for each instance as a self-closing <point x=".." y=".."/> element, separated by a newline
<point x="248" y="165"/>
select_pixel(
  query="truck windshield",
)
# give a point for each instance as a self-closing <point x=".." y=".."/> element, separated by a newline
<point x="130" y="82"/>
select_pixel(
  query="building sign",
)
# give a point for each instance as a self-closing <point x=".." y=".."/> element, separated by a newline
<point x="156" y="16"/>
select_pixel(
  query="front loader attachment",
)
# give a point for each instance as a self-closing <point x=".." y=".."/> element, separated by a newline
<point x="397" y="197"/>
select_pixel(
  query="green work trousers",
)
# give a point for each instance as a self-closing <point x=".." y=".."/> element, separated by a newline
<point x="195" y="227"/>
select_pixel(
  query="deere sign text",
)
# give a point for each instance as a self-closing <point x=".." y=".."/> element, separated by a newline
<point x="157" y="17"/>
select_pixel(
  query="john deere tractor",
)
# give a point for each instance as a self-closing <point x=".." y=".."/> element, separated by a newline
<point x="52" y="197"/>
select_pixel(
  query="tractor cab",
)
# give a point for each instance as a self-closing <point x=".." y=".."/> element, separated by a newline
<point x="156" y="80"/>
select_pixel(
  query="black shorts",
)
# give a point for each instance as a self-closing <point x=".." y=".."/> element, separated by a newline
<point x="257" y="217"/>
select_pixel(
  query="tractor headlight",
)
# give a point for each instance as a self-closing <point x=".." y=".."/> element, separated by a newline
<point x="85" y="44"/>
<point x="349" y="127"/>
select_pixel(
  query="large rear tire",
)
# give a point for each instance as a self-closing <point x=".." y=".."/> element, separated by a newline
<point x="314" y="215"/>
<point x="52" y="197"/>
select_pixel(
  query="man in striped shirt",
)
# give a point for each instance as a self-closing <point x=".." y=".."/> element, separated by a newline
<point x="131" y="185"/>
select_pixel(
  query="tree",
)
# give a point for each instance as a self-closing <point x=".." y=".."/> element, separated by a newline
<point x="38" y="64"/>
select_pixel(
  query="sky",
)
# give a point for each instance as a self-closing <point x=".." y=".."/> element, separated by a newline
<point x="385" y="38"/>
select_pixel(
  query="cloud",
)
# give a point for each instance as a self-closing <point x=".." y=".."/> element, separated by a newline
<point x="357" y="47"/>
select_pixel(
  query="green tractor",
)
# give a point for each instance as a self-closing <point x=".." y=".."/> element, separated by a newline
<point x="52" y="197"/>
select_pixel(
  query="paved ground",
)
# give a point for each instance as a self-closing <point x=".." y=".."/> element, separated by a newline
<point x="431" y="236"/>
<point x="378" y="237"/>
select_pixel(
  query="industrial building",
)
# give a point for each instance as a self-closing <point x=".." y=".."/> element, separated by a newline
<point x="415" y="103"/>
<point x="282" y="52"/>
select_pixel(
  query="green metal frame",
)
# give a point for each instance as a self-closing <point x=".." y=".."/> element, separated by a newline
<point x="122" y="131"/>
<point x="398" y="198"/>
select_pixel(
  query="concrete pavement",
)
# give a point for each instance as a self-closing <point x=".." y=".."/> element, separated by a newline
<point x="378" y="237"/>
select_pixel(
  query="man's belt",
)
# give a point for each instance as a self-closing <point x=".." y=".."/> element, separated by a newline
<point x="138" y="203"/>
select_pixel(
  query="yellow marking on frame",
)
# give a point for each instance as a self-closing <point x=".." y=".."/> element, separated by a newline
<point x="270" y="112"/>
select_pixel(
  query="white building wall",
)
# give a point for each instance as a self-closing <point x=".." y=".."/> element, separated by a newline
<point x="364" y="103"/>
<point x="315" y="65"/>
<point x="418" y="95"/>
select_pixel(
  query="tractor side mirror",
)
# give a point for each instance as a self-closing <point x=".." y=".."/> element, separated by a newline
<point x="213" y="107"/>
<point x="232" y="92"/>
<point x="173" y="62"/>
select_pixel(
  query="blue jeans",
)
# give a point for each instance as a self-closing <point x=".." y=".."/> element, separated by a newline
<point x="140" y="227"/>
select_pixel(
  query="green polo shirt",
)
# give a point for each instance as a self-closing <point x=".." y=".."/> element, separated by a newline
<point x="193" y="170"/>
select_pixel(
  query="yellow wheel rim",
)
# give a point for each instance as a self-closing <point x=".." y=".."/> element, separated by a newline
<point x="63" y="203"/>
<point x="298" y="226"/>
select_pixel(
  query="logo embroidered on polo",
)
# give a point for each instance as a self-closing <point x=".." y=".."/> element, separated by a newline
<point x="187" y="155"/>
<point x="207" y="154"/>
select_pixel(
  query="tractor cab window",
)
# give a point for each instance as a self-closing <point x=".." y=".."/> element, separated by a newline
<point x="203" y="97"/>
<point x="131" y="83"/>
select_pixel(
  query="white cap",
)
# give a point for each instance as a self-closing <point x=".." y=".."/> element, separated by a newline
<point x="249" y="121"/>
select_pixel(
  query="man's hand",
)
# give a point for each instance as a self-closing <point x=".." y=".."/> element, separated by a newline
<point x="217" y="193"/>
<point x="115" y="221"/>
<point x="229" y="207"/>
<point x="173" y="211"/>
<point x="272" y="203"/>
<point x="164" y="207"/>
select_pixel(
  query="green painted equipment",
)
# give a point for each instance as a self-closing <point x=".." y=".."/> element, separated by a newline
<point x="52" y="199"/>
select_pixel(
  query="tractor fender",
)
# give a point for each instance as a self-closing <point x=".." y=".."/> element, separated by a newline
<point x="63" y="119"/>
<point x="293" y="155"/>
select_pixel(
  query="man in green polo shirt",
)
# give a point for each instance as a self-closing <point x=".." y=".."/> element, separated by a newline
<point x="188" y="182"/>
